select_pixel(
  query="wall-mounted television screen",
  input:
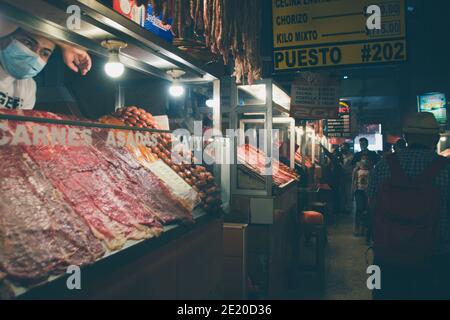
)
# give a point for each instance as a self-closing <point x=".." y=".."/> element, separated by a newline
<point x="436" y="103"/>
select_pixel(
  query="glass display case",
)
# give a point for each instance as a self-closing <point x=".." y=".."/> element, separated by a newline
<point x="263" y="139"/>
<point x="263" y="180"/>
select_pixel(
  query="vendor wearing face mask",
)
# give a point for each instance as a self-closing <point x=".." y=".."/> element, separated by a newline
<point x="22" y="56"/>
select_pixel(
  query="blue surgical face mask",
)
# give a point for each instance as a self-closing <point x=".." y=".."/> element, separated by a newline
<point x="20" y="61"/>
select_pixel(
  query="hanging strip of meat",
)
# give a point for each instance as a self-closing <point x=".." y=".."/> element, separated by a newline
<point x="175" y="14"/>
<point x="198" y="20"/>
<point x="256" y="61"/>
<point x="213" y="26"/>
<point x="180" y="18"/>
<point x="192" y="9"/>
<point x="224" y="45"/>
<point x="165" y="12"/>
<point x="187" y="15"/>
<point x="245" y="41"/>
<point x="207" y="20"/>
<point x="232" y="22"/>
<point x="219" y="21"/>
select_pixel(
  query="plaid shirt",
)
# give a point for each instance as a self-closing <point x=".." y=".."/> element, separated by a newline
<point x="414" y="162"/>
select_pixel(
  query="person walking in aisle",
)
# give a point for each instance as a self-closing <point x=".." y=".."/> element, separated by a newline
<point x="347" y="174"/>
<point x="359" y="187"/>
<point x="333" y="177"/>
<point x="371" y="155"/>
<point x="409" y="193"/>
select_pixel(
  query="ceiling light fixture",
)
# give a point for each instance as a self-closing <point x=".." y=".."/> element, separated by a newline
<point x="114" y="67"/>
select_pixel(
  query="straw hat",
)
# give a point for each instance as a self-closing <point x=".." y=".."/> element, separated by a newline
<point x="421" y="123"/>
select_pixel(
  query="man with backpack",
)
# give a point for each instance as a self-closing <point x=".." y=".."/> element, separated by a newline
<point x="409" y="195"/>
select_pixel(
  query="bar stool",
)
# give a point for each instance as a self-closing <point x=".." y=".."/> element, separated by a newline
<point x="313" y="224"/>
<point x="325" y="197"/>
<point x="321" y="207"/>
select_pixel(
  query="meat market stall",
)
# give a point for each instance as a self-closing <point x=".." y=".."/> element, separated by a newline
<point x="263" y="180"/>
<point x="105" y="193"/>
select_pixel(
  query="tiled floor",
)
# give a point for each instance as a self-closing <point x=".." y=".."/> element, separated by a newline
<point x="346" y="268"/>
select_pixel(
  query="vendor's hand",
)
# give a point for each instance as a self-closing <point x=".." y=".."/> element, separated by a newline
<point x="78" y="60"/>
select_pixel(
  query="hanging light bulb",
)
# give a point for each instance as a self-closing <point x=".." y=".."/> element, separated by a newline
<point x="210" y="103"/>
<point x="114" y="68"/>
<point x="176" y="90"/>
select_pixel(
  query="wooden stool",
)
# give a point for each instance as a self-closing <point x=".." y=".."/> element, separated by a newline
<point x="321" y="207"/>
<point x="313" y="224"/>
<point x="311" y="218"/>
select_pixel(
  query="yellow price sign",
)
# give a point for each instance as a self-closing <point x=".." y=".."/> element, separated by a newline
<point x="312" y="33"/>
<point x="347" y="54"/>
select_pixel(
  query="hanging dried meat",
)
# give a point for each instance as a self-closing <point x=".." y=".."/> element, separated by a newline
<point x="198" y="18"/>
<point x="227" y="27"/>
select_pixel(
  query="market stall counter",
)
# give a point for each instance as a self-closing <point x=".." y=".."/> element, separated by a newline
<point x="102" y="203"/>
<point x="74" y="201"/>
<point x="185" y="262"/>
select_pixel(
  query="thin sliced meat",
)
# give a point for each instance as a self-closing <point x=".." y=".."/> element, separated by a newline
<point x="255" y="160"/>
<point x="78" y="244"/>
<point x="27" y="249"/>
<point x="91" y="195"/>
<point x="81" y="165"/>
<point x="82" y="177"/>
<point x="39" y="233"/>
<point x="147" y="188"/>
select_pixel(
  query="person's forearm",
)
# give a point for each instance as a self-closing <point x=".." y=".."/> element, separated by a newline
<point x="63" y="45"/>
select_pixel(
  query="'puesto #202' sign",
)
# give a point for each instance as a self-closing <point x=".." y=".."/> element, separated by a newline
<point x="327" y="33"/>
